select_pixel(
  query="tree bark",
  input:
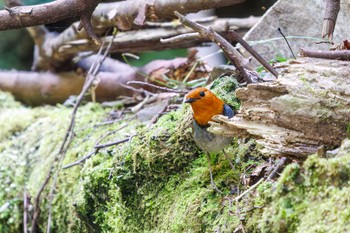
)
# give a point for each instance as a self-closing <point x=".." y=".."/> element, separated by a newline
<point x="307" y="107"/>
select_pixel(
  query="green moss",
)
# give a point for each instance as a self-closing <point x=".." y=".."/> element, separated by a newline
<point x="225" y="87"/>
<point x="159" y="182"/>
<point x="30" y="141"/>
<point x="312" y="198"/>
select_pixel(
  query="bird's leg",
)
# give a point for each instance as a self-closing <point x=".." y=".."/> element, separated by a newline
<point x="228" y="159"/>
<point x="211" y="175"/>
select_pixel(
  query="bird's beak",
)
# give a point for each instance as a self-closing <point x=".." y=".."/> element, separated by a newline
<point x="190" y="100"/>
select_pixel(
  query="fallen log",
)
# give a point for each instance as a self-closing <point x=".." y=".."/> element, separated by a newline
<point x="34" y="88"/>
<point x="306" y="108"/>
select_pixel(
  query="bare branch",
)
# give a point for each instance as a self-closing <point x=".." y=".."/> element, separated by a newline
<point x="235" y="36"/>
<point x="235" y="57"/>
<point x="26" y="16"/>
<point x="336" y="55"/>
<point x="69" y="43"/>
<point x="99" y="146"/>
<point x="128" y="14"/>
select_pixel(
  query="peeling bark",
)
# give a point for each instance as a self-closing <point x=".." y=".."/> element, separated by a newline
<point x="307" y="107"/>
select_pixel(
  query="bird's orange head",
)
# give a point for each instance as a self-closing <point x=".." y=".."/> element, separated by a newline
<point x="204" y="104"/>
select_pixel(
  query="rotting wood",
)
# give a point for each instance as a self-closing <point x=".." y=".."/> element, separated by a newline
<point x="308" y="106"/>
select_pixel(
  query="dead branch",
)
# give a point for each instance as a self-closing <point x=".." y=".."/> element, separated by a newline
<point x="235" y="36"/>
<point x="123" y="14"/>
<point x="335" y="55"/>
<point x="99" y="146"/>
<point x="34" y="88"/>
<point x="26" y="16"/>
<point x="128" y="14"/>
<point x="278" y="167"/>
<point x="235" y="57"/>
<point x="157" y="87"/>
<point x="49" y="88"/>
<point x="70" y="43"/>
<point x="330" y="18"/>
<point x="251" y="188"/>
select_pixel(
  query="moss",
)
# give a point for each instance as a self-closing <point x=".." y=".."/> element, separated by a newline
<point x="7" y="101"/>
<point x="225" y="87"/>
<point x="159" y="182"/>
<point x="312" y="198"/>
<point x="30" y="141"/>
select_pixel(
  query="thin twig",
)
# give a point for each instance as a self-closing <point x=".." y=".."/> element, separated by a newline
<point x="228" y="159"/>
<point x="112" y="143"/>
<point x="280" y="163"/>
<point x="171" y="24"/>
<point x="115" y="121"/>
<point x="25" y="211"/>
<point x="183" y="37"/>
<point x="70" y="132"/>
<point x="37" y="200"/>
<point x="145" y="100"/>
<point x="235" y="57"/>
<point x="290" y="48"/>
<point x="157" y="87"/>
<point x="91" y="153"/>
<point x="238" y="212"/>
<point x="238" y="198"/>
<point x="112" y="132"/>
<point x="235" y="36"/>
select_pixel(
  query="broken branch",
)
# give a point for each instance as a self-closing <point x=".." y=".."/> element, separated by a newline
<point x="335" y="55"/>
<point x="235" y="57"/>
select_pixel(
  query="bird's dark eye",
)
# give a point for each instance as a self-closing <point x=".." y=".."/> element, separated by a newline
<point x="202" y="93"/>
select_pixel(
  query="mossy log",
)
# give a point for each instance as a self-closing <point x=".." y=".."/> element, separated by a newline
<point x="306" y="108"/>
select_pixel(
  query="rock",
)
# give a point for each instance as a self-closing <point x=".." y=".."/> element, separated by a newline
<point x="303" y="21"/>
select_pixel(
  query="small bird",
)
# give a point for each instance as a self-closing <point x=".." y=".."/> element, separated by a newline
<point x="205" y="105"/>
